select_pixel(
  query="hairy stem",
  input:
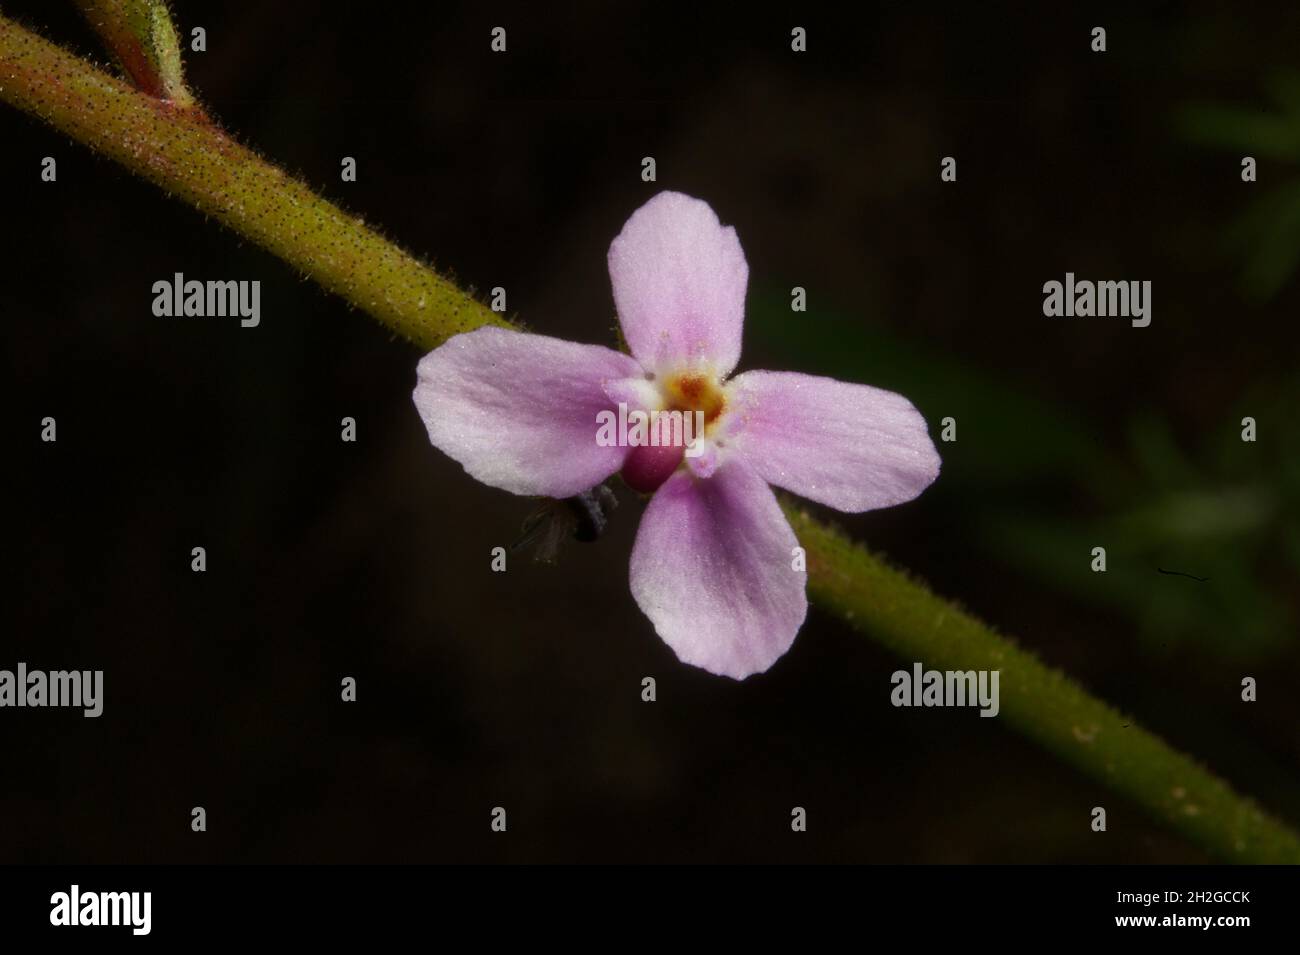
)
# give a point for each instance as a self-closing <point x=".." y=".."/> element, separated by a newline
<point x="1043" y="704"/>
<point x="143" y="40"/>
<point x="187" y="155"/>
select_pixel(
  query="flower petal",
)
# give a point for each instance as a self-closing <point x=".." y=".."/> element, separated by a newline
<point x="712" y="568"/>
<point x="519" y="411"/>
<point x="852" y="447"/>
<point x="679" y="284"/>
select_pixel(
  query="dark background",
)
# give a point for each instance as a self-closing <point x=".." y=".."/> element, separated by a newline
<point x="522" y="689"/>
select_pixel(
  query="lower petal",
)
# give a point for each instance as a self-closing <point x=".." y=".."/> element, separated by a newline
<point x="519" y="411"/>
<point x="713" y="569"/>
<point x="851" y="447"/>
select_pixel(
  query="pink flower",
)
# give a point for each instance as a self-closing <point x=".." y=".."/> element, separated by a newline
<point x="714" y="563"/>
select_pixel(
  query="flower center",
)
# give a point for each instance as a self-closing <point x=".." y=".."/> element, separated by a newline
<point x="649" y="467"/>
<point x="694" y="392"/>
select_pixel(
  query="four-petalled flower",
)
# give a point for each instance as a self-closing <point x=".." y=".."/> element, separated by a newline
<point x="714" y="564"/>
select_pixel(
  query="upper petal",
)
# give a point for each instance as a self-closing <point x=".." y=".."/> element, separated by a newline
<point x="852" y="447"/>
<point x="679" y="284"/>
<point x="519" y="411"/>
<point x="713" y="569"/>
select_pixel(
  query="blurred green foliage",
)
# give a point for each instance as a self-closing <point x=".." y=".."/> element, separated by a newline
<point x="1036" y="486"/>
<point x="1267" y="235"/>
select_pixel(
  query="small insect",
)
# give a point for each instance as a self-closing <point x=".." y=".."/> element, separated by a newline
<point x="583" y="517"/>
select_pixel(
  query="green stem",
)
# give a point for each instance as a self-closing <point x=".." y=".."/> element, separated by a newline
<point x="143" y="40"/>
<point x="186" y="154"/>
<point x="1042" y="703"/>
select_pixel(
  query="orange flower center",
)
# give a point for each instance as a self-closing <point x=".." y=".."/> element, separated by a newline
<point x="648" y="467"/>
<point x="694" y="392"/>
